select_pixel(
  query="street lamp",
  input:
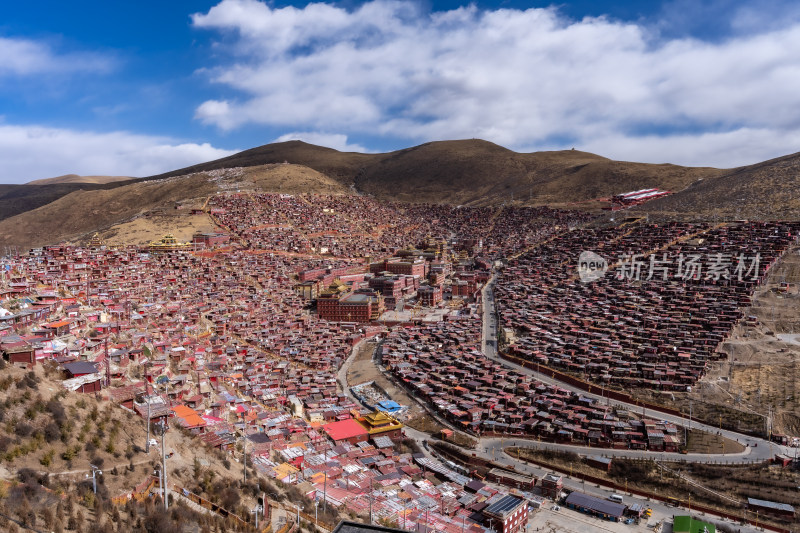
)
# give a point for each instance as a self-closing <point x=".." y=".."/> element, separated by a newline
<point x="296" y="506"/>
<point x="95" y="472"/>
<point x="164" y="463"/>
<point x="158" y="472"/>
<point x="257" y="509"/>
<point x="244" y="449"/>
<point x="149" y="421"/>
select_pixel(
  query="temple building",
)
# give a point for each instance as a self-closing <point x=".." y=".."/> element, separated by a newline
<point x="168" y="243"/>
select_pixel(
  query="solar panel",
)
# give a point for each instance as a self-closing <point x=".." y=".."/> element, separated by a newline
<point x="506" y="504"/>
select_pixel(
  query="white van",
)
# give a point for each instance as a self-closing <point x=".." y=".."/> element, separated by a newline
<point x="616" y="498"/>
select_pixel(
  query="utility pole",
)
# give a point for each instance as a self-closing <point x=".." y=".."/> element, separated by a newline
<point x="244" y="448"/>
<point x="147" y="442"/>
<point x="325" y="496"/>
<point x="147" y="395"/>
<point x="370" y="501"/>
<point x="164" y="463"/>
<point x="95" y="472"/>
<point x="108" y="363"/>
<point x="160" y="480"/>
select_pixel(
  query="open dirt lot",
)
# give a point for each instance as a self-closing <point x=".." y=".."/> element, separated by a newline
<point x="142" y="230"/>
<point x="702" y="442"/>
<point x="362" y="369"/>
<point x="763" y="366"/>
<point x="761" y="370"/>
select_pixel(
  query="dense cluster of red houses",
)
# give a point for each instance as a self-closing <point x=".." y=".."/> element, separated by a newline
<point x="442" y="364"/>
<point x="220" y="339"/>
<point x="656" y="318"/>
<point x="226" y="341"/>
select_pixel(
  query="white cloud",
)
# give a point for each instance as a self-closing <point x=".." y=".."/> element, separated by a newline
<point x="730" y="149"/>
<point x="337" y="141"/>
<point x="518" y="78"/>
<point x="34" y="152"/>
<point x="726" y="17"/>
<point x="25" y="57"/>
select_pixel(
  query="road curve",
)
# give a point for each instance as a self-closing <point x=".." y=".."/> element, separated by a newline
<point x="756" y="449"/>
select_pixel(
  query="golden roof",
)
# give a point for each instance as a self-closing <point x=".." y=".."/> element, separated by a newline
<point x="168" y="242"/>
<point x="380" y="421"/>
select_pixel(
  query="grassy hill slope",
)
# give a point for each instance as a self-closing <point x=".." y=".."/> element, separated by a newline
<point x="74" y="178"/>
<point x="469" y="172"/>
<point x="79" y="214"/>
<point x="765" y="191"/>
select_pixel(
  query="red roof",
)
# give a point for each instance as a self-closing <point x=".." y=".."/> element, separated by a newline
<point x="344" y="429"/>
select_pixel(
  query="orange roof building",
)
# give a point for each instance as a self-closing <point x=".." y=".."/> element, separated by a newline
<point x="188" y="418"/>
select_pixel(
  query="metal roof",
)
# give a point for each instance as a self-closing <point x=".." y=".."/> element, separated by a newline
<point x="347" y="526"/>
<point x="80" y="367"/>
<point x="771" y="505"/>
<point x="578" y="499"/>
<point x="503" y="506"/>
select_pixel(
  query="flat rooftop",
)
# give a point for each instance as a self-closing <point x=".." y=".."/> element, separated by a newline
<point x="346" y="526"/>
<point x="357" y="299"/>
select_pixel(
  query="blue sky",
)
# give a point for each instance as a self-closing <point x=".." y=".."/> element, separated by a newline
<point x="137" y="88"/>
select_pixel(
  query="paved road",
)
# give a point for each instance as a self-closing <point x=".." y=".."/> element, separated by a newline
<point x="602" y="492"/>
<point x="756" y="449"/>
<point x="492" y="448"/>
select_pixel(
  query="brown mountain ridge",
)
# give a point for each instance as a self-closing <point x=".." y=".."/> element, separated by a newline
<point x="470" y="172"/>
<point x="463" y="172"/>
<point x="74" y="178"/>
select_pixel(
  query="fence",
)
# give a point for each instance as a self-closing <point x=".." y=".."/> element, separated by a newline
<point x="319" y="523"/>
<point x="289" y="508"/>
<point x="652" y="496"/>
<point x="221" y="511"/>
<point x="288" y="527"/>
<point x="143" y="490"/>
<point x="463" y="458"/>
<point x="607" y="393"/>
<point x="139" y="492"/>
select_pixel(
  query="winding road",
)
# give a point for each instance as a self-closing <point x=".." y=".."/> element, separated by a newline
<point x="756" y="449"/>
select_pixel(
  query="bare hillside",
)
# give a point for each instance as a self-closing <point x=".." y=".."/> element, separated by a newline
<point x="765" y="191"/>
<point x="74" y="178"/>
<point x="50" y="438"/>
<point x="16" y="199"/>
<point x="117" y="212"/>
<point x="469" y="172"/>
<point x="85" y="211"/>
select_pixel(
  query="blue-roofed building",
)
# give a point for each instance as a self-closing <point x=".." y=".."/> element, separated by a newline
<point x="389" y="406"/>
<point x="510" y="511"/>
